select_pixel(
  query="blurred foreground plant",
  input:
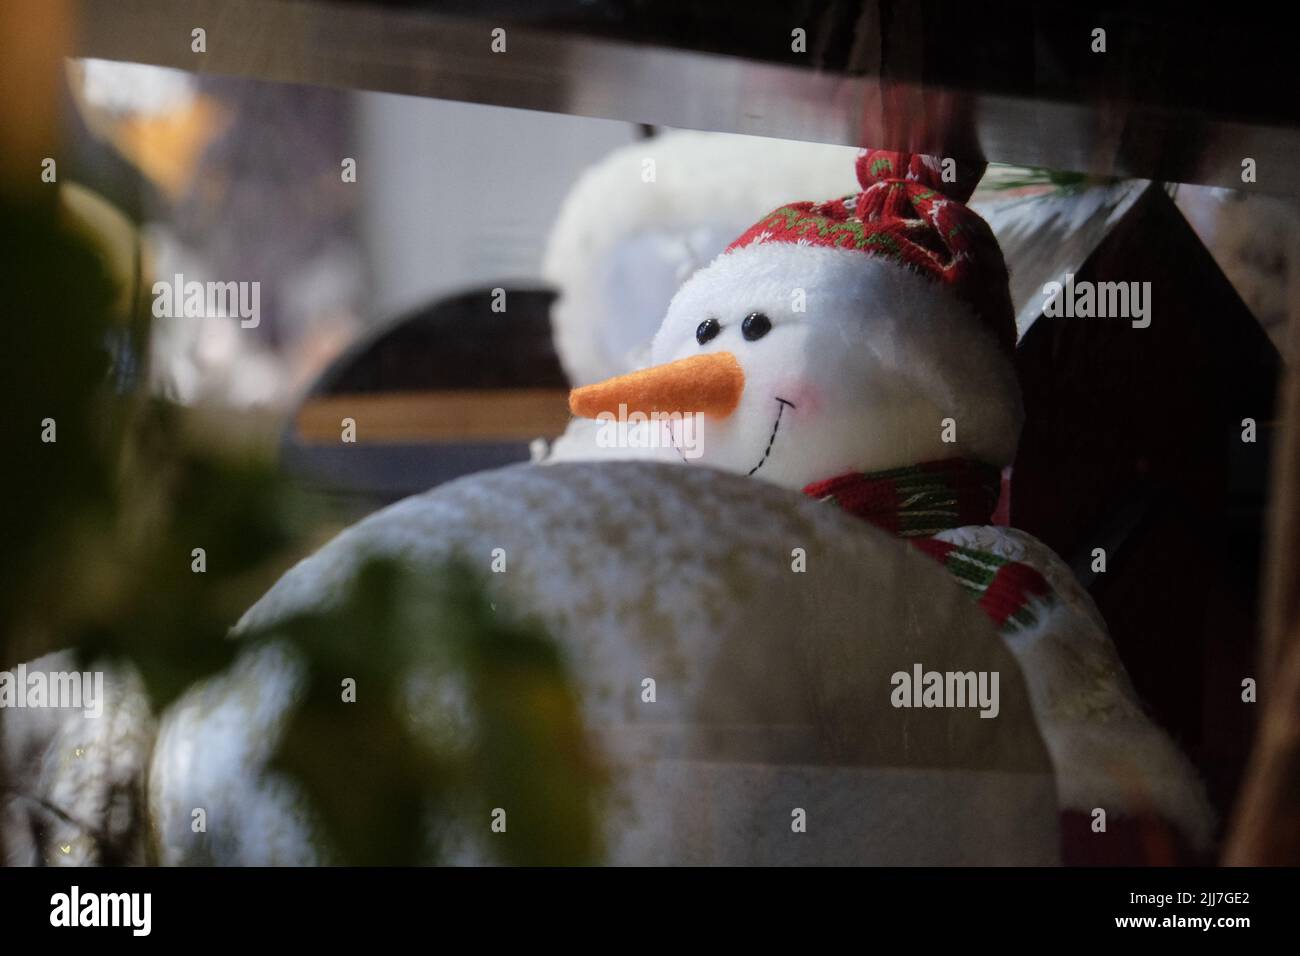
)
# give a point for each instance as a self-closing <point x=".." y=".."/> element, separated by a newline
<point x="100" y="530"/>
<point x="457" y="709"/>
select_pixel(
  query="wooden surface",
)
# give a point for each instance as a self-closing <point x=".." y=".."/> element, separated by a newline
<point x="459" y="415"/>
<point x="875" y="73"/>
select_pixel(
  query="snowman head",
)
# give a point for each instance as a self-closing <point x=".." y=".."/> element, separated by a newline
<point x="851" y="336"/>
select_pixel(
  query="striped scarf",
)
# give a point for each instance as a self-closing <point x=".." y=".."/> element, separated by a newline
<point x="919" y="501"/>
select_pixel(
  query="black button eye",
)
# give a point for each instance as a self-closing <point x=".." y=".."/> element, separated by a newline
<point x="707" y="329"/>
<point x="755" y="326"/>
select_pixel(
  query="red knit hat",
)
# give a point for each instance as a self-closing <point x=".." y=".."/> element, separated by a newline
<point x="906" y="212"/>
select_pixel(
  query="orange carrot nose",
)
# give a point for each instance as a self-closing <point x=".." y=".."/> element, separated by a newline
<point x="709" y="383"/>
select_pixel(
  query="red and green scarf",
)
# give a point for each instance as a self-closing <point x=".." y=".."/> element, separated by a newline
<point x="919" y="501"/>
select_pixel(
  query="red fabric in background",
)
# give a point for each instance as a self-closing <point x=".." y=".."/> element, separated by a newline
<point x="1128" y="841"/>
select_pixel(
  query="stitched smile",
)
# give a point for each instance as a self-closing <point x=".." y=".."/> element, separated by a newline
<point x="775" y="426"/>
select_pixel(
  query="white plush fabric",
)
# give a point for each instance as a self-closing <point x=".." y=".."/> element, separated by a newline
<point x="773" y="685"/>
<point x="622" y="246"/>
<point x="582" y="441"/>
<point x="878" y="360"/>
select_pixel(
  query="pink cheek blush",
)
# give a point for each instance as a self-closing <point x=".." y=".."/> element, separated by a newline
<point x="806" y="397"/>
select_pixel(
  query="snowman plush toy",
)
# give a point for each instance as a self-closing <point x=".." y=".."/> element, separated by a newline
<point x="859" y="350"/>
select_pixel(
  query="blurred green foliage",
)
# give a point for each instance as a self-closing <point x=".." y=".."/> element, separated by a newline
<point x="54" y="367"/>
<point x="1003" y="177"/>
<point x="99" y="529"/>
<point x="496" y="726"/>
<point x="100" y="523"/>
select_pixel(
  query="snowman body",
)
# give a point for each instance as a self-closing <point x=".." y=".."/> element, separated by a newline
<point x="859" y="350"/>
<point x="772" y="737"/>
